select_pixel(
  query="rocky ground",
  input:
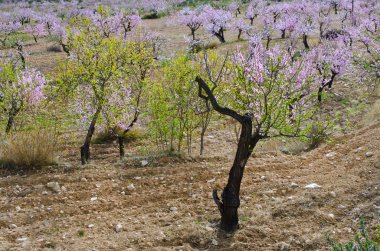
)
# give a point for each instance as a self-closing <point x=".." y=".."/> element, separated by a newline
<point x="167" y="205"/>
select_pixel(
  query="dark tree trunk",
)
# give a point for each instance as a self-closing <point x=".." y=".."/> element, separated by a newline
<point x="220" y="36"/>
<point x="251" y="21"/>
<point x="85" y="148"/>
<point x="121" y="147"/>
<point x="202" y="142"/>
<point x="193" y="34"/>
<point x="282" y="34"/>
<point x="268" y="42"/>
<point x="239" y="35"/>
<point x="305" y="43"/>
<point x="9" y="124"/>
<point x="230" y="196"/>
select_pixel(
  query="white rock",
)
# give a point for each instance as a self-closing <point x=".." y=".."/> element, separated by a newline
<point x="294" y="185"/>
<point x="83" y="179"/>
<point x="144" y="162"/>
<point x="118" y="228"/>
<point x="12" y="226"/>
<point x="210" y="229"/>
<point x="94" y="198"/>
<point x="54" y="186"/>
<point x="283" y="246"/>
<point x="214" y="242"/>
<point x="331" y="155"/>
<point x="90" y="225"/>
<point x="44" y="193"/>
<point x="97" y="185"/>
<point x="333" y="194"/>
<point x="22" y="239"/>
<point x="211" y="181"/>
<point x="174" y="209"/>
<point x="63" y="189"/>
<point x="18" y="208"/>
<point x="137" y="178"/>
<point x="369" y="154"/>
<point x="332" y="216"/>
<point x="122" y="193"/>
<point x="312" y="186"/>
<point x="131" y="187"/>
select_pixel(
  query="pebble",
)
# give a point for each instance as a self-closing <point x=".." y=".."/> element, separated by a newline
<point x="45" y="193"/>
<point x="174" y="209"/>
<point x="144" y="163"/>
<point x="90" y="225"/>
<point x="333" y="194"/>
<point x="214" y="242"/>
<point x="94" y="198"/>
<point x="83" y="179"/>
<point x="63" y="189"/>
<point x="23" y="239"/>
<point x="283" y="246"/>
<point x="332" y="216"/>
<point x="294" y="185"/>
<point x="54" y="186"/>
<point x="118" y="228"/>
<point x="331" y="155"/>
<point x="12" y="226"/>
<point x="18" y="208"/>
<point x="131" y="187"/>
<point x="312" y="186"/>
<point x="211" y="181"/>
<point x="369" y="154"/>
<point x="122" y="193"/>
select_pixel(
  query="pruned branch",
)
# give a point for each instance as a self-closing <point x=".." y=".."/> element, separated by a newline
<point x="211" y="97"/>
<point x="217" y="201"/>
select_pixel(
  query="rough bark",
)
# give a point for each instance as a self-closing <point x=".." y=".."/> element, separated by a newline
<point x="305" y="43"/>
<point x="85" y="148"/>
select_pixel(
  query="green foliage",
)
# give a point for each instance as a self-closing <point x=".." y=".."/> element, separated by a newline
<point x="361" y="242"/>
<point x="174" y="106"/>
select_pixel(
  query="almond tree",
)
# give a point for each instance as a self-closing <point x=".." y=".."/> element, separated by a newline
<point x="191" y="19"/>
<point x="216" y="21"/>
<point x="20" y="90"/>
<point x="256" y="90"/>
<point x="98" y="64"/>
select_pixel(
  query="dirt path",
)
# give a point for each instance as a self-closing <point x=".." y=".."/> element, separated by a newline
<point x="169" y="206"/>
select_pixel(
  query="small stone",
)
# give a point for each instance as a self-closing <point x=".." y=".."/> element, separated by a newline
<point x="209" y="229"/>
<point x="63" y="189"/>
<point x="118" y="228"/>
<point x="18" y="208"/>
<point x="137" y="178"/>
<point x="369" y="154"/>
<point x="333" y="194"/>
<point x="211" y="181"/>
<point x="12" y="226"/>
<point x="97" y="185"/>
<point x="331" y="155"/>
<point x="263" y="177"/>
<point x="94" y="198"/>
<point x="45" y="193"/>
<point x="20" y="240"/>
<point x="131" y="187"/>
<point x="294" y="185"/>
<point x="173" y="209"/>
<point x="122" y="193"/>
<point x="90" y="225"/>
<point x="283" y="246"/>
<point x="214" y="242"/>
<point x="332" y="216"/>
<point x="312" y="186"/>
<point x="83" y="179"/>
<point x="54" y="186"/>
<point x="144" y="163"/>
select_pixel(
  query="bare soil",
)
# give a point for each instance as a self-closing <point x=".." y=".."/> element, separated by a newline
<point x="171" y="206"/>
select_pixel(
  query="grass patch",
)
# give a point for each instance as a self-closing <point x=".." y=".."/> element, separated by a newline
<point x="107" y="137"/>
<point x="24" y="150"/>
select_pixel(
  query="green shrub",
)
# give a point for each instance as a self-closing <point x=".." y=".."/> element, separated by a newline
<point x="361" y="242"/>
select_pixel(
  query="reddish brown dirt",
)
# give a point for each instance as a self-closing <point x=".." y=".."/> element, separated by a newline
<point x="273" y="213"/>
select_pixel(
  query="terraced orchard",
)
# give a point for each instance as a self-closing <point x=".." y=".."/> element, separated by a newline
<point x="190" y="125"/>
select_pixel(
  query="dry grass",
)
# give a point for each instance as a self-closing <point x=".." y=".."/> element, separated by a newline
<point x="28" y="149"/>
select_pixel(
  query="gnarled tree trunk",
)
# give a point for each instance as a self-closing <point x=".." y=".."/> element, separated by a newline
<point x="85" y="148"/>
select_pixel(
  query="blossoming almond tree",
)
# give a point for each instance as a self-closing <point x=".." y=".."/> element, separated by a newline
<point x="216" y="21"/>
<point x="20" y="90"/>
<point x="257" y="90"/>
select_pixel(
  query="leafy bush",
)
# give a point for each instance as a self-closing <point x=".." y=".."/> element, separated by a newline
<point x="107" y="136"/>
<point x="361" y="242"/>
<point x="28" y="149"/>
